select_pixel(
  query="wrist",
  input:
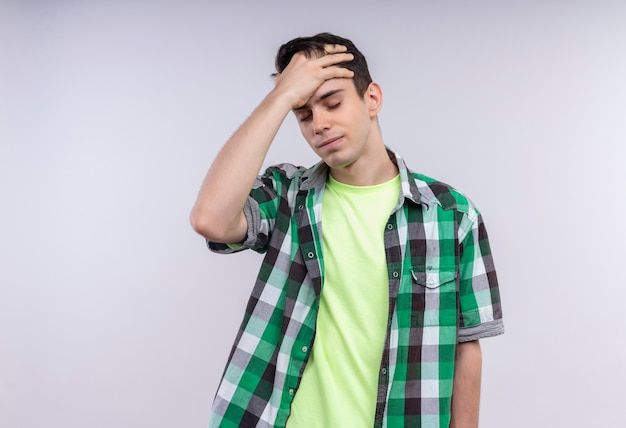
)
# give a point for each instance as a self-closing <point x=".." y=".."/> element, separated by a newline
<point x="281" y="99"/>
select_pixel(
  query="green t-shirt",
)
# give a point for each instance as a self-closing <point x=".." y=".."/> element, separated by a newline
<point x="339" y="385"/>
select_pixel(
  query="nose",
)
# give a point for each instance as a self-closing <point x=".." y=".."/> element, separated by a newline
<point x="320" y="121"/>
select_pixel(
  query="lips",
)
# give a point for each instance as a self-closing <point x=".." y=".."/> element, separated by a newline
<point x="329" y="141"/>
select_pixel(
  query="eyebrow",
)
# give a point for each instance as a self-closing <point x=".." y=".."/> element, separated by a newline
<point x="322" y="97"/>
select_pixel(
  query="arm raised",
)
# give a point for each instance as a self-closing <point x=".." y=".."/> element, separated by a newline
<point x="218" y="211"/>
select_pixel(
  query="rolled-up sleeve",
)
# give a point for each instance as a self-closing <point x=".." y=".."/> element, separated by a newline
<point x="260" y="211"/>
<point x="481" y="310"/>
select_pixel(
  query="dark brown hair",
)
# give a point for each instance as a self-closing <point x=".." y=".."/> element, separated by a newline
<point x="314" y="45"/>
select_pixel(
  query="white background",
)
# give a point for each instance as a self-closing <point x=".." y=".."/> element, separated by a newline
<point x="113" y="313"/>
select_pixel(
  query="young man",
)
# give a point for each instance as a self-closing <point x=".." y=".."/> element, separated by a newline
<point x="377" y="282"/>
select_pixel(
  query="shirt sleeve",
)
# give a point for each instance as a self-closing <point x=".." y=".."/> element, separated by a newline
<point x="481" y="311"/>
<point x="260" y="212"/>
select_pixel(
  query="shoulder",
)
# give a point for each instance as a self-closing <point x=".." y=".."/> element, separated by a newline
<point x="283" y="174"/>
<point x="445" y="195"/>
<point x="420" y="187"/>
<point x="293" y="177"/>
<point x="286" y="170"/>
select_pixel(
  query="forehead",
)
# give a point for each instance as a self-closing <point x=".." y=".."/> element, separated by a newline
<point x="346" y="86"/>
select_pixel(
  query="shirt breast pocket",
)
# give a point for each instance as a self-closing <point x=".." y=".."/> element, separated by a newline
<point x="434" y="301"/>
<point x="429" y="277"/>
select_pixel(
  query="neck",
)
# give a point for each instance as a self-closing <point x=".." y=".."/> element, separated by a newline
<point x="373" y="166"/>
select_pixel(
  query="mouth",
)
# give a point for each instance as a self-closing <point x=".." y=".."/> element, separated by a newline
<point x="329" y="142"/>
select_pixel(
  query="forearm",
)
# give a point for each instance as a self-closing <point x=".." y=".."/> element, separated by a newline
<point x="466" y="390"/>
<point x="217" y="213"/>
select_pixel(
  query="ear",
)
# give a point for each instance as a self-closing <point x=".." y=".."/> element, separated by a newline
<point x="374" y="98"/>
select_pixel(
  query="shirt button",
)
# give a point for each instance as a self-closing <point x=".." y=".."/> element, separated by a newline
<point x="384" y="371"/>
<point x="304" y="349"/>
<point x="390" y="226"/>
<point x="291" y="391"/>
<point x="311" y="254"/>
<point x="395" y="274"/>
<point x="300" y="207"/>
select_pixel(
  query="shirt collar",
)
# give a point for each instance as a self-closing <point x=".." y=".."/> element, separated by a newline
<point x="315" y="178"/>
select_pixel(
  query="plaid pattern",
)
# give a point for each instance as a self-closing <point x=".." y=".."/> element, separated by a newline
<point x="442" y="290"/>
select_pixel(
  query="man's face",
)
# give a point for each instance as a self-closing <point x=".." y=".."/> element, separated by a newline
<point x="336" y="122"/>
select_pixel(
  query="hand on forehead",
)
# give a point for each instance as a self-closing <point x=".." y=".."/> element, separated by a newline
<point x="304" y="75"/>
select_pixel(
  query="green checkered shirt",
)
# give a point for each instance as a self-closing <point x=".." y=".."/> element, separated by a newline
<point x="442" y="290"/>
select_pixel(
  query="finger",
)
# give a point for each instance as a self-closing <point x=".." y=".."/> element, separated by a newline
<point x="337" y="72"/>
<point x="328" y="60"/>
<point x="334" y="48"/>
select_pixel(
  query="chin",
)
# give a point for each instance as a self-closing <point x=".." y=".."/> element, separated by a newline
<point x="337" y="162"/>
